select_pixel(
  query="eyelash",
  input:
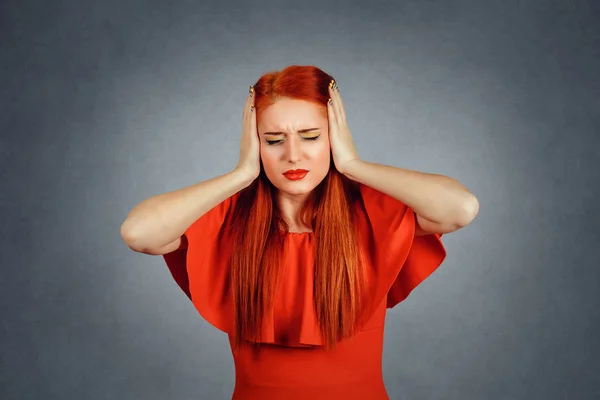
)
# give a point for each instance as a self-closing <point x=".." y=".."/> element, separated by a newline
<point x="274" y="142"/>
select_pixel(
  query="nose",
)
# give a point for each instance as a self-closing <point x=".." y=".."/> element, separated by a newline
<point x="292" y="149"/>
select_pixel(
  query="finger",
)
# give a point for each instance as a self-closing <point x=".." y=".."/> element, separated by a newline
<point x="247" y="105"/>
<point x="339" y="103"/>
<point x="334" y="109"/>
<point x="252" y="110"/>
<point x="331" y="112"/>
<point x="250" y="97"/>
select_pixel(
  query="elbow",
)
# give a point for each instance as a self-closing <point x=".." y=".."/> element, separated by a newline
<point x="470" y="210"/>
<point x="130" y="238"/>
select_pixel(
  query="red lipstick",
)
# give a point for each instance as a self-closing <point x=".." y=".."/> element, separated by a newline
<point x="295" y="174"/>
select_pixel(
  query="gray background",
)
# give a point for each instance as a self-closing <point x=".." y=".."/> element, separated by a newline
<point x="107" y="103"/>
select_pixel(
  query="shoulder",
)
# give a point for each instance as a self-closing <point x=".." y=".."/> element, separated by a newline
<point x="380" y="205"/>
<point x="209" y="224"/>
<point x="384" y="207"/>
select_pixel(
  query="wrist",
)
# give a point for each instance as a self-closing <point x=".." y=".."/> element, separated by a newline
<point x="349" y="168"/>
<point x="244" y="176"/>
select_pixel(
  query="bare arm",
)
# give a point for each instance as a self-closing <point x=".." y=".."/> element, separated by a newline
<point x="155" y="225"/>
<point x="442" y="204"/>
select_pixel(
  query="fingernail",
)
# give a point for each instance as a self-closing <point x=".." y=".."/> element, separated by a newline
<point x="251" y="91"/>
<point x="331" y="83"/>
<point x="330" y="101"/>
<point x="251" y="108"/>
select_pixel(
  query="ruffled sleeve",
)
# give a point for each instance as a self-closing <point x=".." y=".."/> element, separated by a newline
<point x="199" y="269"/>
<point x="400" y="260"/>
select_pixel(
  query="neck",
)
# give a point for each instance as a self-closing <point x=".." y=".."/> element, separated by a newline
<point x="290" y="206"/>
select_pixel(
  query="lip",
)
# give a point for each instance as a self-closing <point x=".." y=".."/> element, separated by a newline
<point x="295" y="174"/>
<point x="295" y="171"/>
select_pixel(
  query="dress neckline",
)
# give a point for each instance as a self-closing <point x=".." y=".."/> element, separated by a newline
<point x="297" y="233"/>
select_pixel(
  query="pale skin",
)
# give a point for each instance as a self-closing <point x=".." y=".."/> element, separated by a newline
<point x="294" y="134"/>
<point x="441" y="204"/>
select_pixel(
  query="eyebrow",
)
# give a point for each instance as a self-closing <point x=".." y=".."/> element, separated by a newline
<point x="299" y="131"/>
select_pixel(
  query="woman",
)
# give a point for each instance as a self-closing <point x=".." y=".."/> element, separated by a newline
<point x="298" y="252"/>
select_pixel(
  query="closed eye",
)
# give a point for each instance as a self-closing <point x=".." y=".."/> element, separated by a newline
<point x="273" y="142"/>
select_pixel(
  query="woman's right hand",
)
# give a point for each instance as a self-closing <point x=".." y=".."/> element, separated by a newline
<point x="249" y="145"/>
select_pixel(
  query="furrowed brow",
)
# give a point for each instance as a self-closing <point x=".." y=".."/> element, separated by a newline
<point x="283" y="133"/>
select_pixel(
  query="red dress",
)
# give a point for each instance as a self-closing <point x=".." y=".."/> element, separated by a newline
<point x="291" y="363"/>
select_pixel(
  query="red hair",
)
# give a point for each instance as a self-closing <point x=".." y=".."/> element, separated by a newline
<point x="255" y="225"/>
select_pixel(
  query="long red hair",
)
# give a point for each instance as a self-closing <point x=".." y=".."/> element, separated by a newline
<point x="255" y="225"/>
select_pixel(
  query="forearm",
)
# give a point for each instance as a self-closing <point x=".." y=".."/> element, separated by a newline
<point x="436" y="198"/>
<point x="159" y="220"/>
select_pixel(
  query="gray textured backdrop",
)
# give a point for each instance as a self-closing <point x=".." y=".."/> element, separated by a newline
<point x="107" y="103"/>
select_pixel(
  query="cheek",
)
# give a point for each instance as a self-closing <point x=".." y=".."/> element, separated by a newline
<point x="324" y="150"/>
<point x="268" y="157"/>
<point x="322" y="158"/>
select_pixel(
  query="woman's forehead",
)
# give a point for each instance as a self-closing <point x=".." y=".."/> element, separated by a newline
<point x="291" y="115"/>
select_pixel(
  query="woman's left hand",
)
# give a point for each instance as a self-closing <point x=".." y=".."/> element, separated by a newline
<point x="340" y="139"/>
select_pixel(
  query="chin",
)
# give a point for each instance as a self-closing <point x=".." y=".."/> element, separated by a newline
<point x="299" y="187"/>
<point x="296" y="188"/>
